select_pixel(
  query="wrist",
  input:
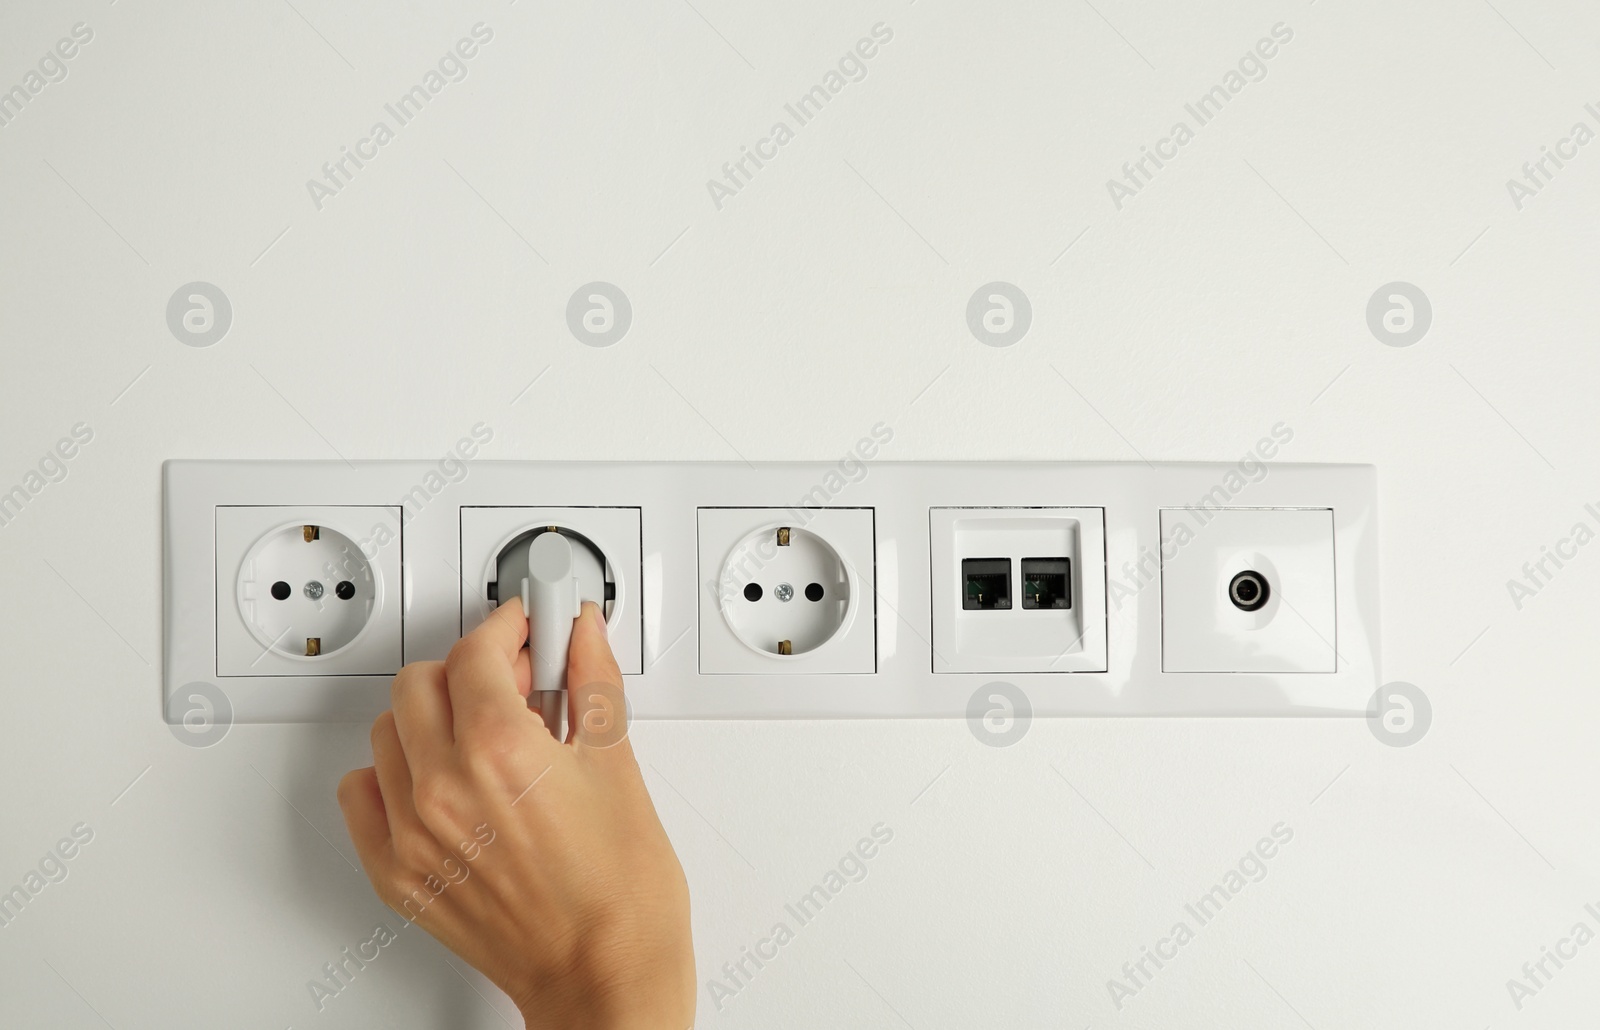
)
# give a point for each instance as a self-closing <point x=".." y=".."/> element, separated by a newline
<point x="643" y="1009"/>
<point x="545" y="1019"/>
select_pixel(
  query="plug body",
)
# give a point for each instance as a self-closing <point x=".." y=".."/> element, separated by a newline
<point x="550" y="597"/>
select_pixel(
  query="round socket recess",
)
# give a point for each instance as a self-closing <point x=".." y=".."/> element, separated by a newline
<point x="597" y="581"/>
<point x="306" y="591"/>
<point x="1250" y="580"/>
<point x="790" y="591"/>
<point x="1249" y="590"/>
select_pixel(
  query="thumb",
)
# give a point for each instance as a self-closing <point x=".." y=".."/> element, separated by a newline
<point x="597" y="710"/>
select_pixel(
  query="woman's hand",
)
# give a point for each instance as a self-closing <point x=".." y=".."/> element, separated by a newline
<point x="542" y="863"/>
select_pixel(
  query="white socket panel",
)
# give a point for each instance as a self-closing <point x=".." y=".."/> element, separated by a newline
<point x="1025" y="550"/>
<point x="307" y="550"/>
<point x="778" y="554"/>
<point x="1149" y="628"/>
<point x="1294" y="629"/>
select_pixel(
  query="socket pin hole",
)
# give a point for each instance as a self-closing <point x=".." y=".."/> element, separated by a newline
<point x="280" y="590"/>
<point x="814" y="592"/>
<point x="752" y="591"/>
<point x="345" y="590"/>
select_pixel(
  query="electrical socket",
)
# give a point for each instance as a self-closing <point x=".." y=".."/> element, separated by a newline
<point x="1018" y="589"/>
<point x="1118" y="566"/>
<point x="608" y="552"/>
<point x="1251" y="591"/>
<point x="785" y="595"/>
<point x="308" y="591"/>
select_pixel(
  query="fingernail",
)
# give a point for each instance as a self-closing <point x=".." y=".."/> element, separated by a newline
<point x="600" y="620"/>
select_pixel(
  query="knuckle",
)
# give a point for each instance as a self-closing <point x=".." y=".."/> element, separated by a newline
<point x="391" y="892"/>
<point x="382" y="729"/>
<point x="410" y="677"/>
<point x="463" y="650"/>
<point x="349" y="789"/>
<point x="414" y="847"/>
<point x="382" y="884"/>
<point x="437" y="801"/>
<point x="401" y="681"/>
<point x="491" y="751"/>
<point x="493" y="736"/>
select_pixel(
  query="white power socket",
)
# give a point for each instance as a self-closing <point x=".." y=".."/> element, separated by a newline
<point x="786" y="594"/>
<point x="307" y="590"/>
<point x="904" y="589"/>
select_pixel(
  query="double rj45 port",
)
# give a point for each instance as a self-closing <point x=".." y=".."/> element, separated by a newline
<point x="986" y="583"/>
<point x="1018" y="589"/>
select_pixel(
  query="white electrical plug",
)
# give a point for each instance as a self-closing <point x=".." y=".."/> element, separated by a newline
<point x="551" y="599"/>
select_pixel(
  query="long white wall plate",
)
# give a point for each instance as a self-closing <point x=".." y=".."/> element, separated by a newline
<point x="1155" y="550"/>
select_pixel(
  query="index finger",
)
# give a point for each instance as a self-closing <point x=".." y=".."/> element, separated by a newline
<point x="481" y="670"/>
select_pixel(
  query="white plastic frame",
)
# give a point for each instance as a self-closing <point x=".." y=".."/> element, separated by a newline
<point x="901" y="494"/>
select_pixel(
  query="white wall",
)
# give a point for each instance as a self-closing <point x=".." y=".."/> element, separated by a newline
<point x="1227" y="295"/>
